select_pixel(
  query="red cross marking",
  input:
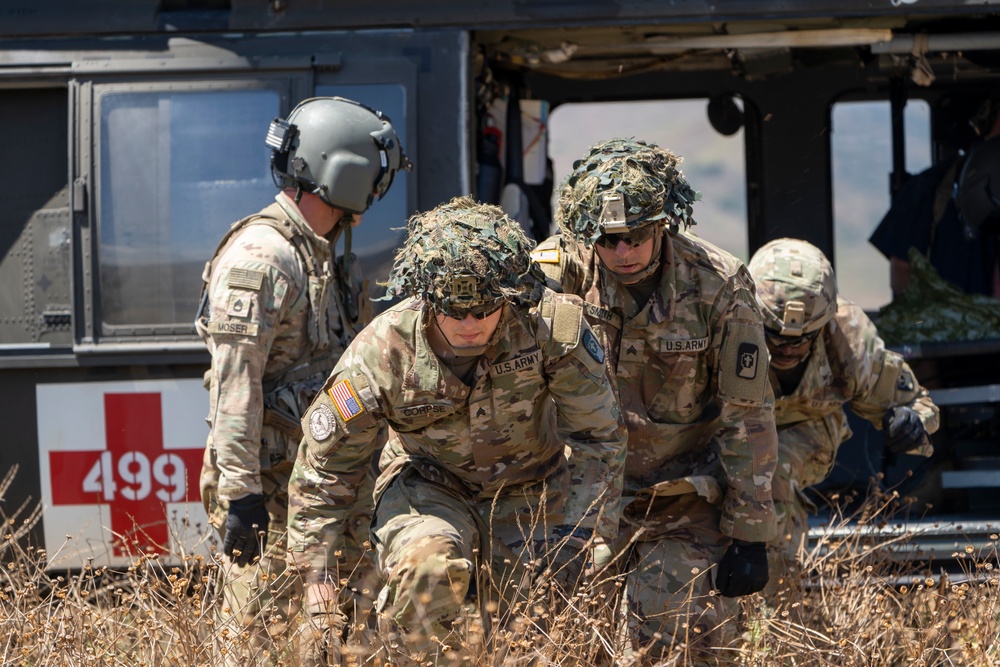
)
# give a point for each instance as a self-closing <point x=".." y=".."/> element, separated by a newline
<point x="135" y="476"/>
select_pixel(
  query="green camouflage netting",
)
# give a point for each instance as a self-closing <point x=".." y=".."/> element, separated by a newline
<point x="464" y="255"/>
<point x="647" y="177"/>
<point x="933" y="310"/>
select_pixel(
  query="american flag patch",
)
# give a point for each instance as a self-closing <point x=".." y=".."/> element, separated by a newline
<point x="346" y="400"/>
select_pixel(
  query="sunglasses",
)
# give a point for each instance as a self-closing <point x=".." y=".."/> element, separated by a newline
<point x="634" y="239"/>
<point x="480" y="312"/>
<point x="777" y="340"/>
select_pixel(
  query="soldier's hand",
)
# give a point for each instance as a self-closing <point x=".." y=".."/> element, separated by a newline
<point x="903" y="429"/>
<point x="742" y="570"/>
<point x="247" y="518"/>
<point x="567" y="560"/>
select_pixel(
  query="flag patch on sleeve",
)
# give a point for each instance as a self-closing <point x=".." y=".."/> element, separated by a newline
<point x="346" y="399"/>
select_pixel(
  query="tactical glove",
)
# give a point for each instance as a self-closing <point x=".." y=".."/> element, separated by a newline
<point x="247" y="517"/>
<point x="742" y="569"/>
<point x="903" y="429"/>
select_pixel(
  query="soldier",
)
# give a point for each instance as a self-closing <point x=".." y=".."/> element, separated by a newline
<point x="277" y="311"/>
<point x="506" y="440"/>
<point x="685" y="343"/>
<point x="825" y="353"/>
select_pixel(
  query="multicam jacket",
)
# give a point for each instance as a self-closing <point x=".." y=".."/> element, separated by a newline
<point x="691" y="376"/>
<point x="540" y="393"/>
<point x="272" y="323"/>
<point x="848" y="364"/>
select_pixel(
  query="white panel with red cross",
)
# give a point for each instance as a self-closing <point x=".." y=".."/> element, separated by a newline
<point x="119" y="465"/>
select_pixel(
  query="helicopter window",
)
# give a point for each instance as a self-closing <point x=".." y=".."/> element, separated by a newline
<point x="176" y="169"/>
<point x="862" y="164"/>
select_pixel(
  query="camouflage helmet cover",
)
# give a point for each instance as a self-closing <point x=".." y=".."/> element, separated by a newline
<point x="623" y="184"/>
<point x="464" y="256"/>
<point x="796" y="287"/>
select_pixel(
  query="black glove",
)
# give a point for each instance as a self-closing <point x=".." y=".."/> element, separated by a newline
<point x="247" y="517"/>
<point x="742" y="569"/>
<point x="903" y="429"/>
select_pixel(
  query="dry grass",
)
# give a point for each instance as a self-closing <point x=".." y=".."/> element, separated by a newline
<point x="863" y="602"/>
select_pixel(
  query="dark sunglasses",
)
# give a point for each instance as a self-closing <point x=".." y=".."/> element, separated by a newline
<point x="634" y="239"/>
<point x="777" y="340"/>
<point x="480" y="312"/>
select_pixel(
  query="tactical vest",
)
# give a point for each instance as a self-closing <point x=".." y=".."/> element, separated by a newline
<point x="319" y="290"/>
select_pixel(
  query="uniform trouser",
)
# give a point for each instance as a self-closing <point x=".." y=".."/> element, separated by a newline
<point x="429" y="540"/>
<point x="670" y="578"/>
<point x="262" y="598"/>
<point x="806" y="451"/>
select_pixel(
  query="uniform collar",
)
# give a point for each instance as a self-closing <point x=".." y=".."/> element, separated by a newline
<point x="293" y="213"/>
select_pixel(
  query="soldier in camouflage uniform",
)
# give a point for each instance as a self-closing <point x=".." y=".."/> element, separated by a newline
<point x="277" y="311"/>
<point x="505" y="440"/>
<point x="686" y="346"/>
<point x="825" y="353"/>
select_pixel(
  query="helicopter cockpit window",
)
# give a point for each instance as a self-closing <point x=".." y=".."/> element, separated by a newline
<point x="862" y="163"/>
<point x="176" y="169"/>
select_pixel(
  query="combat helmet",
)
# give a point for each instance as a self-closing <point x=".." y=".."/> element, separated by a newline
<point x="462" y="257"/>
<point x="622" y="185"/>
<point x="796" y="288"/>
<point x="977" y="191"/>
<point x="343" y="151"/>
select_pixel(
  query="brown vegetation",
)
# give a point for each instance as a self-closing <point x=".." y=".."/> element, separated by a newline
<point x="863" y="600"/>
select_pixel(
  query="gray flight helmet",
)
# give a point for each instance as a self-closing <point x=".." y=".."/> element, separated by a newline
<point x="338" y="149"/>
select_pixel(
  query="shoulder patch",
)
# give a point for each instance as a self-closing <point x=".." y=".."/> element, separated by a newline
<point x="321" y="422"/>
<point x="567" y="321"/>
<point x="546" y="255"/>
<point x="237" y="328"/>
<point x="742" y="364"/>
<point x="346" y="400"/>
<point x="593" y="347"/>
<point x="245" y="278"/>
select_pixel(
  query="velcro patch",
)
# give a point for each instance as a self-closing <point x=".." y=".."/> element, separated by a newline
<point x="742" y="367"/>
<point x="238" y="328"/>
<point x="239" y="306"/>
<point x="546" y="256"/>
<point x="593" y="347"/>
<point x="683" y="344"/>
<point x="245" y="278"/>
<point x="321" y="422"/>
<point x="346" y="400"/>
<point x="517" y="363"/>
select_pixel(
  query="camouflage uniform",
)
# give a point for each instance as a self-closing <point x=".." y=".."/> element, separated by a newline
<point x="528" y="452"/>
<point x="689" y="365"/>
<point x="272" y="324"/>
<point x="847" y="364"/>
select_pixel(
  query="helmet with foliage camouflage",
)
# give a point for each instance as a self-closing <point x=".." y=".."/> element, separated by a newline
<point x="621" y="185"/>
<point x="339" y="149"/>
<point x="462" y="257"/>
<point x="796" y="287"/>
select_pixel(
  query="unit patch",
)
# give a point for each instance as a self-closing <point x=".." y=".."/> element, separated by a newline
<point x="346" y="399"/>
<point x="746" y="359"/>
<point x="239" y="328"/>
<point x="321" y="423"/>
<point x="245" y="278"/>
<point x="593" y="347"/>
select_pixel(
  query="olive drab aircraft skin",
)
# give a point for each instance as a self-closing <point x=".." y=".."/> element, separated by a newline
<point x="132" y="136"/>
